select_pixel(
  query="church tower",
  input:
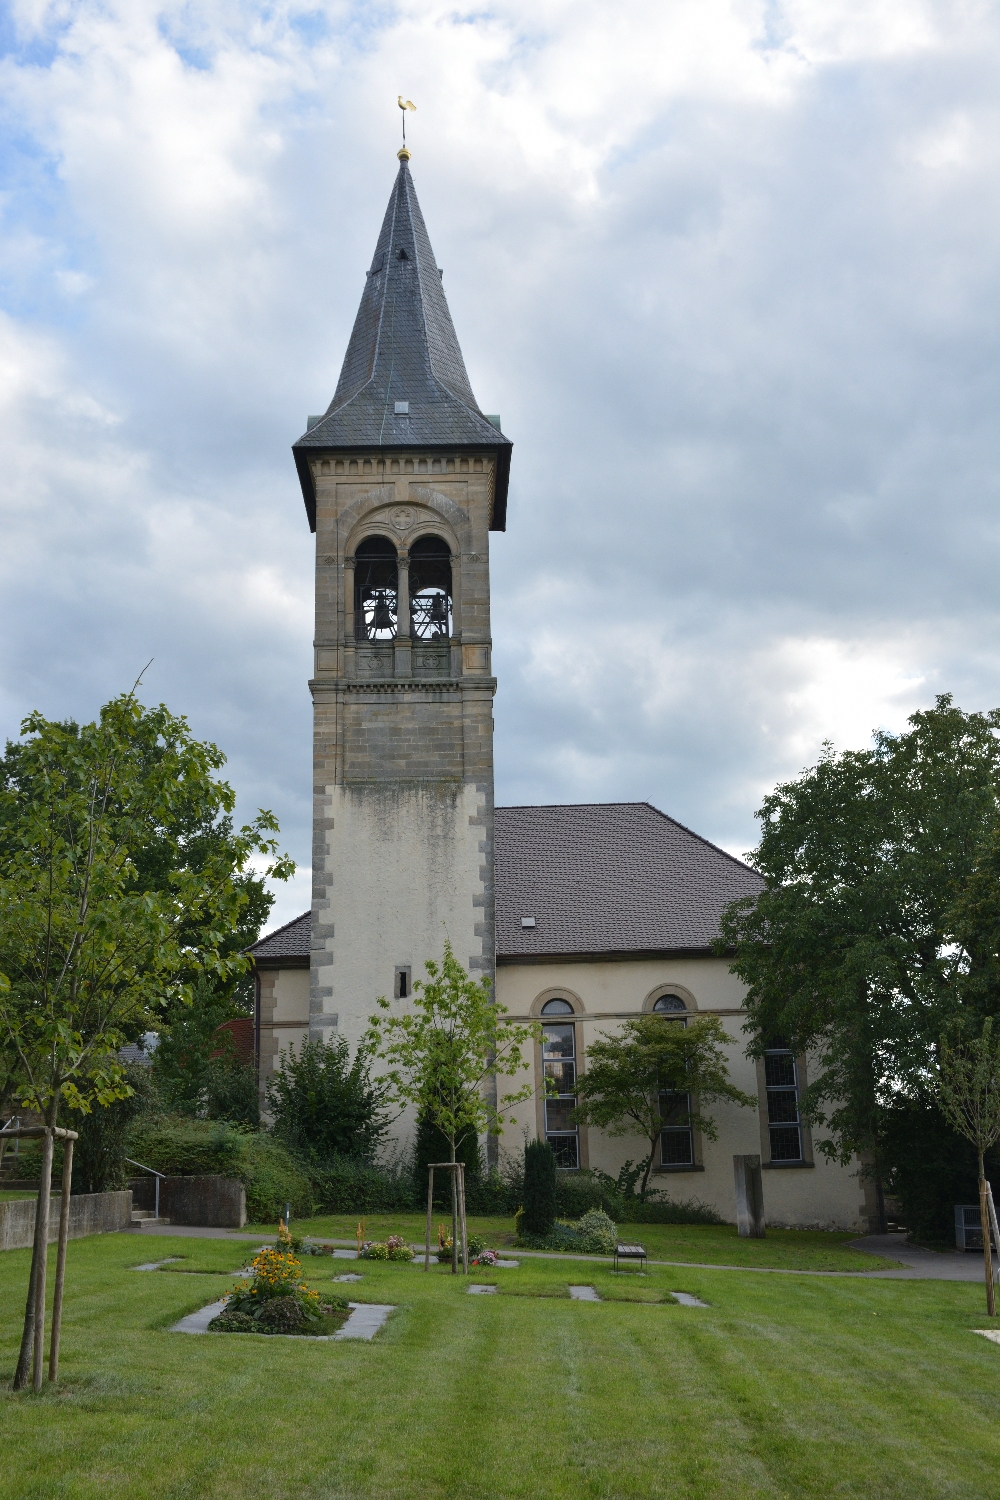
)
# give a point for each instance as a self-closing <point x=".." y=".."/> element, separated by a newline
<point x="403" y="479"/>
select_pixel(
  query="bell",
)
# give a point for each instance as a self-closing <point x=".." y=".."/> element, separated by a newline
<point x="383" y="619"/>
<point x="439" y="610"/>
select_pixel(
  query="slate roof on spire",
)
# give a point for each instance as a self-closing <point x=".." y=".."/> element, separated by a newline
<point x="404" y="348"/>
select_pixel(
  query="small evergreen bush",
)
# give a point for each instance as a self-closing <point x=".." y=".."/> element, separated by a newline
<point x="598" y="1232"/>
<point x="282" y="1315"/>
<point x="539" y="1189"/>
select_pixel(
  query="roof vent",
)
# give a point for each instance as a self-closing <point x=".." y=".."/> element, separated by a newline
<point x="402" y="408"/>
<point x="494" y="420"/>
<point x="311" y="422"/>
<point x="527" y="921"/>
<point x="401" y="254"/>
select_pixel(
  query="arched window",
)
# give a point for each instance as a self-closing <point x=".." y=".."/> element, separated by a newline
<point x="375" y="590"/>
<point x="677" y="1135"/>
<point x="430" y="589"/>
<point x="559" y="1066"/>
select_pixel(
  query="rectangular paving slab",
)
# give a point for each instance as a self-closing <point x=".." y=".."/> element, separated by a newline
<point x="584" y="1294"/>
<point x="475" y="1290"/>
<point x="686" y="1300"/>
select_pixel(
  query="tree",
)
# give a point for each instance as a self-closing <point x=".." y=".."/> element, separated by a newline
<point x="324" y="1105"/>
<point x="968" y="1093"/>
<point x="92" y="947"/>
<point x="99" y="1164"/>
<point x="656" y="1061"/>
<point x="539" y="1188"/>
<point x="443" y="1053"/>
<point x="857" y="949"/>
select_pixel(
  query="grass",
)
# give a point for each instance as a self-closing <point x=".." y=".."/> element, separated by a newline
<point x="801" y="1387"/>
<point x="711" y="1244"/>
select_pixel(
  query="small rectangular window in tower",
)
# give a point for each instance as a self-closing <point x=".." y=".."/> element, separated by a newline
<point x="784" y="1123"/>
<point x="402" y="987"/>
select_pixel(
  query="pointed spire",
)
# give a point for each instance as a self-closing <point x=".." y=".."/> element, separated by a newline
<point x="404" y="383"/>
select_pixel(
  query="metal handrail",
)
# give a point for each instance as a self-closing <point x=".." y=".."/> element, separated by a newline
<point x="14" y="1120"/>
<point x="158" y="1175"/>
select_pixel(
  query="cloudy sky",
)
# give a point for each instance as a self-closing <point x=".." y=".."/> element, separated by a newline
<point x="728" y="269"/>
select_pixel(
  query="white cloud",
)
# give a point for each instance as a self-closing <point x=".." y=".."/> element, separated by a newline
<point x="727" y="268"/>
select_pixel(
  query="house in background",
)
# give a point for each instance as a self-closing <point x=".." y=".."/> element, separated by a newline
<point x="581" y="915"/>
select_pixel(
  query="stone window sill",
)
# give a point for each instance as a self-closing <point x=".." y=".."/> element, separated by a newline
<point x="785" y="1166"/>
<point x="695" y="1168"/>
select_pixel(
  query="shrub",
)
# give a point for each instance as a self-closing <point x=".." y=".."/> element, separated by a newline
<point x="345" y="1185"/>
<point x="231" y="1091"/>
<point x="282" y="1315"/>
<point x="184" y="1148"/>
<point x="373" y="1250"/>
<point x="235" y="1322"/>
<point x="691" y="1211"/>
<point x="398" y="1248"/>
<point x="539" y="1188"/>
<point x="578" y="1192"/>
<point x="324" y="1105"/>
<point x="598" y="1232"/>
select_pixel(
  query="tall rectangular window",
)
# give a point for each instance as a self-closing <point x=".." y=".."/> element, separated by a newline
<point x="784" y="1122"/>
<point x="676" y="1137"/>
<point x="559" y="1063"/>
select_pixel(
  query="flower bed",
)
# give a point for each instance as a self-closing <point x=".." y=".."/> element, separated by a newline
<point x="277" y="1300"/>
<point x="394" y="1248"/>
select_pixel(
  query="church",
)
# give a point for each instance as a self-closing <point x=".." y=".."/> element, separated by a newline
<point x="581" y="915"/>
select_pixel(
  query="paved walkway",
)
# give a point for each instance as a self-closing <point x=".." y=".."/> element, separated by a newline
<point x="918" y="1265"/>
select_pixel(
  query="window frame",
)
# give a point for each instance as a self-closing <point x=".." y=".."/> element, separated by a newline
<point x="555" y="1138"/>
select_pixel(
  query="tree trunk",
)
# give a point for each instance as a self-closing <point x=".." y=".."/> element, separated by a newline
<point x="984" y="1219"/>
<point x="57" y="1299"/>
<point x="649" y="1167"/>
<point x="28" y="1335"/>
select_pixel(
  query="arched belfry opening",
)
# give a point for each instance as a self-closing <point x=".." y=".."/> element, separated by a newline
<point x="376" y="590"/>
<point x="430" y="590"/>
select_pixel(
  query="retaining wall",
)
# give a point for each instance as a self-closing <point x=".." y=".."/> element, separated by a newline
<point x="209" y="1201"/>
<point x="89" y="1213"/>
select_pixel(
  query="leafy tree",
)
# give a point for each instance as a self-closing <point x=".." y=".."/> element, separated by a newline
<point x="627" y="1075"/>
<point x="539" y="1189"/>
<point x="324" y="1105"/>
<point x="873" y="928"/>
<point x="92" y="947"/>
<point x="231" y="1089"/>
<point x="968" y="1093"/>
<point x="444" y="1054"/>
<point x="99" y="1164"/>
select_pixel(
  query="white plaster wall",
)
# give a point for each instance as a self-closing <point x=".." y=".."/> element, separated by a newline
<point x="405" y="868"/>
<point x="823" y="1196"/>
<point x="291" y="996"/>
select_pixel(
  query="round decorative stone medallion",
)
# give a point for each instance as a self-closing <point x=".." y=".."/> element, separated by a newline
<point x="401" y="517"/>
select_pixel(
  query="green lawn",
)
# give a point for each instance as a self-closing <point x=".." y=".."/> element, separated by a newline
<point x="803" y="1387"/>
<point x="714" y="1244"/>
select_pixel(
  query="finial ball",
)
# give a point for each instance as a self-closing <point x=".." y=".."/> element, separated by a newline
<point x="403" y="155"/>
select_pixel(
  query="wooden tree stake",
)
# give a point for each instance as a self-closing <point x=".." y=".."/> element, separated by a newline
<point x="42" y="1212"/>
<point x="57" y="1301"/>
